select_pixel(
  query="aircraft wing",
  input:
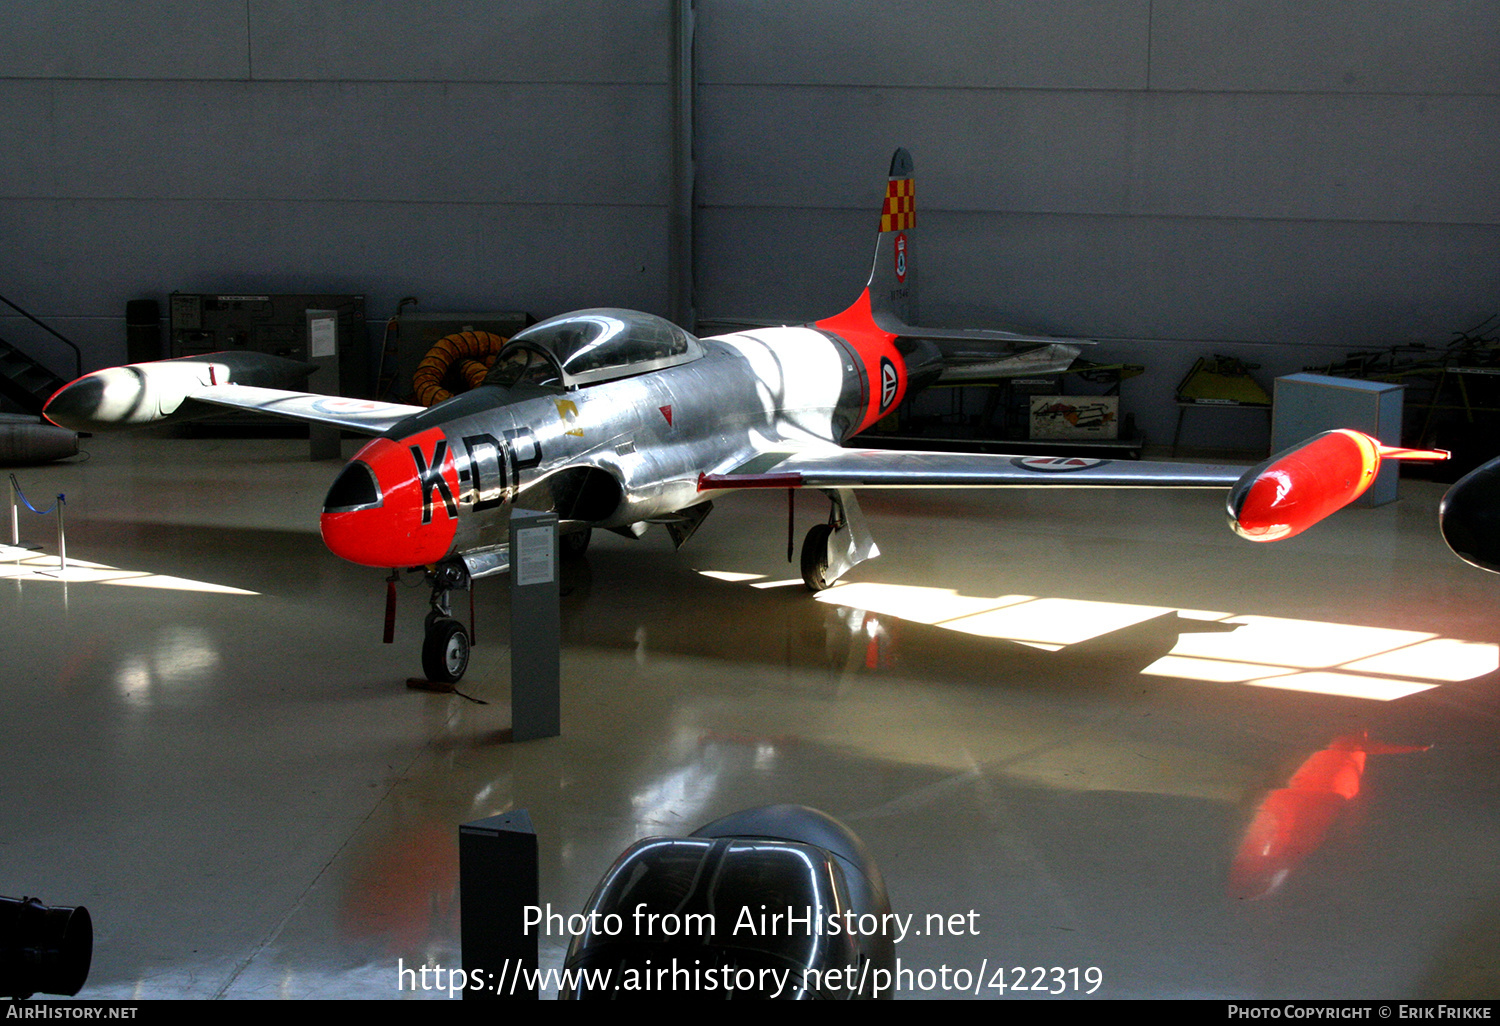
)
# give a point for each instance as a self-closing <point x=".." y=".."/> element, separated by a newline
<point x="1275" y="499"/>
<point x="833" y="467"/>
<point x="359" y="415"/>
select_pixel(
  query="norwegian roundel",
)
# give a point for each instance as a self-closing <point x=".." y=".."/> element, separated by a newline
<point x="1055" y="464"/>
<point x="888" y="383"/>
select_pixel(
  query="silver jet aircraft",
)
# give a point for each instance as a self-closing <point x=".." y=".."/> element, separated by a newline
<point x="618" y="419"/>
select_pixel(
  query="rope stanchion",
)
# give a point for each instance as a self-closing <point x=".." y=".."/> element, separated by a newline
<point x="15" y="525"/>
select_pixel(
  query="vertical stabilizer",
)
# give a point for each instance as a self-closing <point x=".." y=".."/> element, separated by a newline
<point x="888" y="304"/>
<point x="893" y="277"/>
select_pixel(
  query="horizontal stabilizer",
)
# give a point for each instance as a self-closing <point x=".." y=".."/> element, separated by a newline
<point x="983" y="354"/>
<point x="947" y="336"/>
<point x="1053" y="358"/>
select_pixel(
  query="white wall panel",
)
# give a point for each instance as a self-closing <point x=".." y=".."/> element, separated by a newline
<point x="310" y="141"/>
<point x="1017" y="44"/>
<point x="164" y="39"/>
<point x="478" y="155"/>
<point x="1421" y="160"/>
<point x="1403" y="46"/>
<point x="461" y="40"/>
<point x="1247" y="155"/>
<point x="975" y="149"/>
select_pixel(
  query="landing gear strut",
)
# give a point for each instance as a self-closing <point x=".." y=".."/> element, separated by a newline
<point x="445" y="644"/>
<point x="832" y="549"/>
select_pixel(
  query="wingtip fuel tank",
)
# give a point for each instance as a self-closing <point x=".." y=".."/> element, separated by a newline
<point x="1296" y="488"/>
<point x="138" y="394"/>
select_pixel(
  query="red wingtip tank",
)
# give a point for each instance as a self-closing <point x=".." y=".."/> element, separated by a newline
<point x="1292" y="822"/>
<point x="1294" y="489"/>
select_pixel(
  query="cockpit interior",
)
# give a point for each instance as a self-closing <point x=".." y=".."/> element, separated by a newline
<point x="589" y="346"/>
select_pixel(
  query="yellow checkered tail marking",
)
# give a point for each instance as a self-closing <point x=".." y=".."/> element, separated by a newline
<point x="899" y="212"/>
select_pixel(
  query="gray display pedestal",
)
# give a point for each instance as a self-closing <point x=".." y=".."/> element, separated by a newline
<point x="497" y="870"/>
<point x="535" y="626"/>
<point x="1308" y="404"/>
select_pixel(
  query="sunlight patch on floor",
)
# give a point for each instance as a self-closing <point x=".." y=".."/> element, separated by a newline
<point x="1316" y="656"/>
<point x="27" y="565"/>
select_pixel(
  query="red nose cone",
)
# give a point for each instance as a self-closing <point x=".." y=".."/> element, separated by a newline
<point x="395" y="504"/>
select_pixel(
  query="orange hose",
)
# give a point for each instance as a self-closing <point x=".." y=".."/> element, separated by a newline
<point x="464" y="347"/>
<point x="474" y="371"/>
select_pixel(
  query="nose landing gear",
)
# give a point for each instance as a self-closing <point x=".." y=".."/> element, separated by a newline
<point x="445" y="643"/>
<point x="445" y="650"/>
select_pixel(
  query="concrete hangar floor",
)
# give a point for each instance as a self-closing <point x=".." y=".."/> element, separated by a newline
<point x="1122" y="738"/>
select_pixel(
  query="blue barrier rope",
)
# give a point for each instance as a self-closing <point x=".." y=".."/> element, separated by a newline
<point x="40" y="512"/>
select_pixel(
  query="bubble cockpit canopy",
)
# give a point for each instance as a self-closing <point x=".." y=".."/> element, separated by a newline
<point x="589" y="346"/>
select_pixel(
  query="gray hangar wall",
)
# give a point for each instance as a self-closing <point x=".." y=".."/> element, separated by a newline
<point x="1280" y="180"/>
<point x="477" y="155"/>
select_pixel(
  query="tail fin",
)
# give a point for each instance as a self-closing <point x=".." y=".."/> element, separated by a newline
<point x="891" y="366"/>
<point x="888" y="305"/>
<point x="893" y="278"/>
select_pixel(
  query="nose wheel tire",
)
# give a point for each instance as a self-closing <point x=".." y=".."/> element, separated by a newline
<point x="815" y="557"/>
<point x="445" y="651"/>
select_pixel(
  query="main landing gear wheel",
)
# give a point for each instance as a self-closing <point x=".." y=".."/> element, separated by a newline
<point x="815" y="557"/>
<point x="445" y="651"/>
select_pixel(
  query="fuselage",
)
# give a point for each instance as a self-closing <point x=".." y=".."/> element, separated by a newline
<point x="609" y="454"/>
